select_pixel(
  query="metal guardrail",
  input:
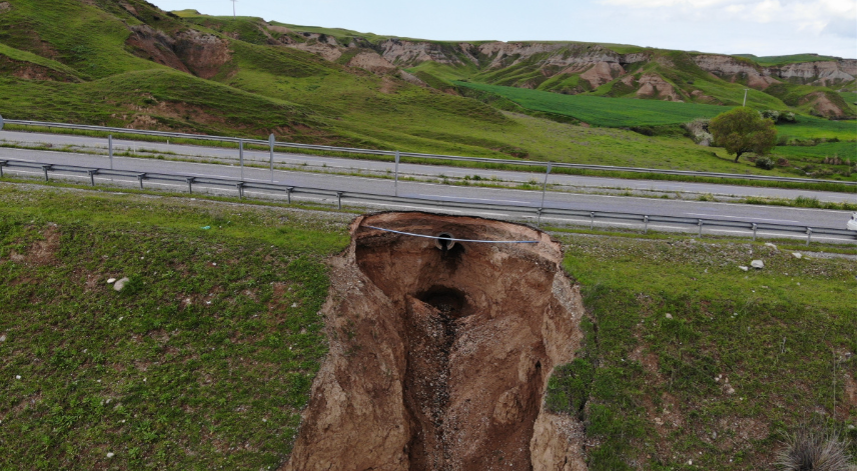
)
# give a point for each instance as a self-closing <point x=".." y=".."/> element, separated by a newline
<point x="241" y="186"/>
<point x="398" y="154"/>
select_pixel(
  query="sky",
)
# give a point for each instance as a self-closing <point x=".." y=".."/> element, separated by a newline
<point x="759" y="27"/>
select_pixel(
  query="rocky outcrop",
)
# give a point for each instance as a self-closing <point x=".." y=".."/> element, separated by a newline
<point x="601" y="73"/>
<point x="731" y="69"/>
<point x="189" y="51"/>
<point x="440" y="351"/>
<point x="654" y="86"/>
<point x="372" y="62"/>
<point x="823" y="73"/>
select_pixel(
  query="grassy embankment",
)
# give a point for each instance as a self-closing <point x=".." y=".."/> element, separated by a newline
<point x="691" y="363"/>
<point x="203" y="361"/>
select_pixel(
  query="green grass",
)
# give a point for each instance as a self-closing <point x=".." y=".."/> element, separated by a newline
<point x="787" y="59"/>
<point x="607" y="112"/>
<point x="816" y="153"/>
<point x="810" y="127"/>
<point x="206" y="358"/>
<point x="64" y="71"/>
<point x="659" y="394"/>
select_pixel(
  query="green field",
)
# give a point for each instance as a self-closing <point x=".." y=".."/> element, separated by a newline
<point x="606" y="112"/>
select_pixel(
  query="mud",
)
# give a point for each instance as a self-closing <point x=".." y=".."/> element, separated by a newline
<point x="440" y="352"/>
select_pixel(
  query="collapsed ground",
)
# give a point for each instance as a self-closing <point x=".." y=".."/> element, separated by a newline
<point x="686" y="359"/>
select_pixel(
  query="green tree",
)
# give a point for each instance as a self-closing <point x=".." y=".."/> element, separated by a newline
<point x="743" y="130"/>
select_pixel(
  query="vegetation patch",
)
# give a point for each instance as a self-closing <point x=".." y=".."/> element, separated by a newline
<point x="203" y="360"/>
<point x="701" y="365"/>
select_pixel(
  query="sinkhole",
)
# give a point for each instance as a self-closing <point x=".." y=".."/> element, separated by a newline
<point x="441" y="349"/>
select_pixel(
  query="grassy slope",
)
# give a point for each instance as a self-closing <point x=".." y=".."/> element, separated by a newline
<point x="298" y="96"/>
<point x="224" y="382"/>
<point x="204" y="361"/>
<point x="655" y="398"/>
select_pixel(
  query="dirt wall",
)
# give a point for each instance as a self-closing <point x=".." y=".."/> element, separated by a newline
<point x="440" y="352"/>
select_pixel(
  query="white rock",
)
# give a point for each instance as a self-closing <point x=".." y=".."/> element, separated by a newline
<point x="17" y="376"/>
<point x="111" y="281"/>
<point x="110" y="455"/>
<point x="3" y="338"/>
<point x="744" y="268"/>
<point x="757" y="264"/>
<point x="669" y="316"/>
<point x="797" y="255"/>
<point x="119" y="285"/>
<point x="768" y="244"/>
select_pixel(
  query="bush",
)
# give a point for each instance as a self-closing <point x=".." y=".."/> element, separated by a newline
<point x="698" y="131"/>
<point x="765" y="163"/>
<point x="812" y="450"/>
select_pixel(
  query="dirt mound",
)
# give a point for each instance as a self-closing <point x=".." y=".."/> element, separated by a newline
<point x="440" y="352"/>
<point x="41" y="252"/>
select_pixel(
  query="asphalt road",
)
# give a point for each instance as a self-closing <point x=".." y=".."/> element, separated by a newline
<point x="440" y="192"/>
<point x="345" y="166"/>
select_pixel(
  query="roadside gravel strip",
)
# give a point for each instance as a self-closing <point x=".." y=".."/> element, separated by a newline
<point x="559" y="182"/>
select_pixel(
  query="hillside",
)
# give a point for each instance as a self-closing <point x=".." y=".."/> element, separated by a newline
<point x="128" y="64"/>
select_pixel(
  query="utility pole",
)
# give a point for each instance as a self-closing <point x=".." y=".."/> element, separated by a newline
<point x="745" y="96"/>
<point x="233" y="8"/>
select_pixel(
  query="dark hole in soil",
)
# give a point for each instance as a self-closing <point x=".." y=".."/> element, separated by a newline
<point x="449" y="301"/>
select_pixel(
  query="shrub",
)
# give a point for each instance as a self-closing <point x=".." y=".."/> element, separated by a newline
<point x="698" y="131"/>
<point x="765" y="163"/>
<point x="812" y="450"/>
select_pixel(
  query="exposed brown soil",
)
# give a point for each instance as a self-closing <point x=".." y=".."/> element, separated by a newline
<point x="41" y="252"/>
<point x="189" y="51"/>
<point x="823" y="106"/>
<point x="653" y="85"/>
<point x="31" y="71"/>
<point x="440" y="352"/>
<point x="602" y="73"/>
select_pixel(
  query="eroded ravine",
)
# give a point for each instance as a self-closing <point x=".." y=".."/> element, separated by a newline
<point x="440" y="351"/>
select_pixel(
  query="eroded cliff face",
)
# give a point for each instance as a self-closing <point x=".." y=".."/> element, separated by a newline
<point x="189" y="51"/>
<point x="823" y="73"/>
<point x="440" y="351"/>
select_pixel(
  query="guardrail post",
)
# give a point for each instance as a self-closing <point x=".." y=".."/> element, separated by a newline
<point x="339" y="199"/>
<point x="700" y="228"/>
<point x="591" y="220"/>
<point x="141" y="177"/>
<point x="91" y="174"/>
<point x="396" y="184"/>
<point x="289" y="191"/>
<point x="545" y="186"/>
<point x="539" y="217"/>
<point x="240" y="186"/>
<point x="2" y="164"/>
<point x="110" y="149"/>
<point x="755" y="228"/>
<point x="190" y="184"/>
<point x="46" y="168"/>
<point x="271" y="140"/>
<point x="808" y="236"/>
<point x="646" y="226"/>
<point x="241" y="156"/>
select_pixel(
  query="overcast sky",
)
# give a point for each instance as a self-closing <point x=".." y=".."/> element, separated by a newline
<point x="760" y="27"/>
